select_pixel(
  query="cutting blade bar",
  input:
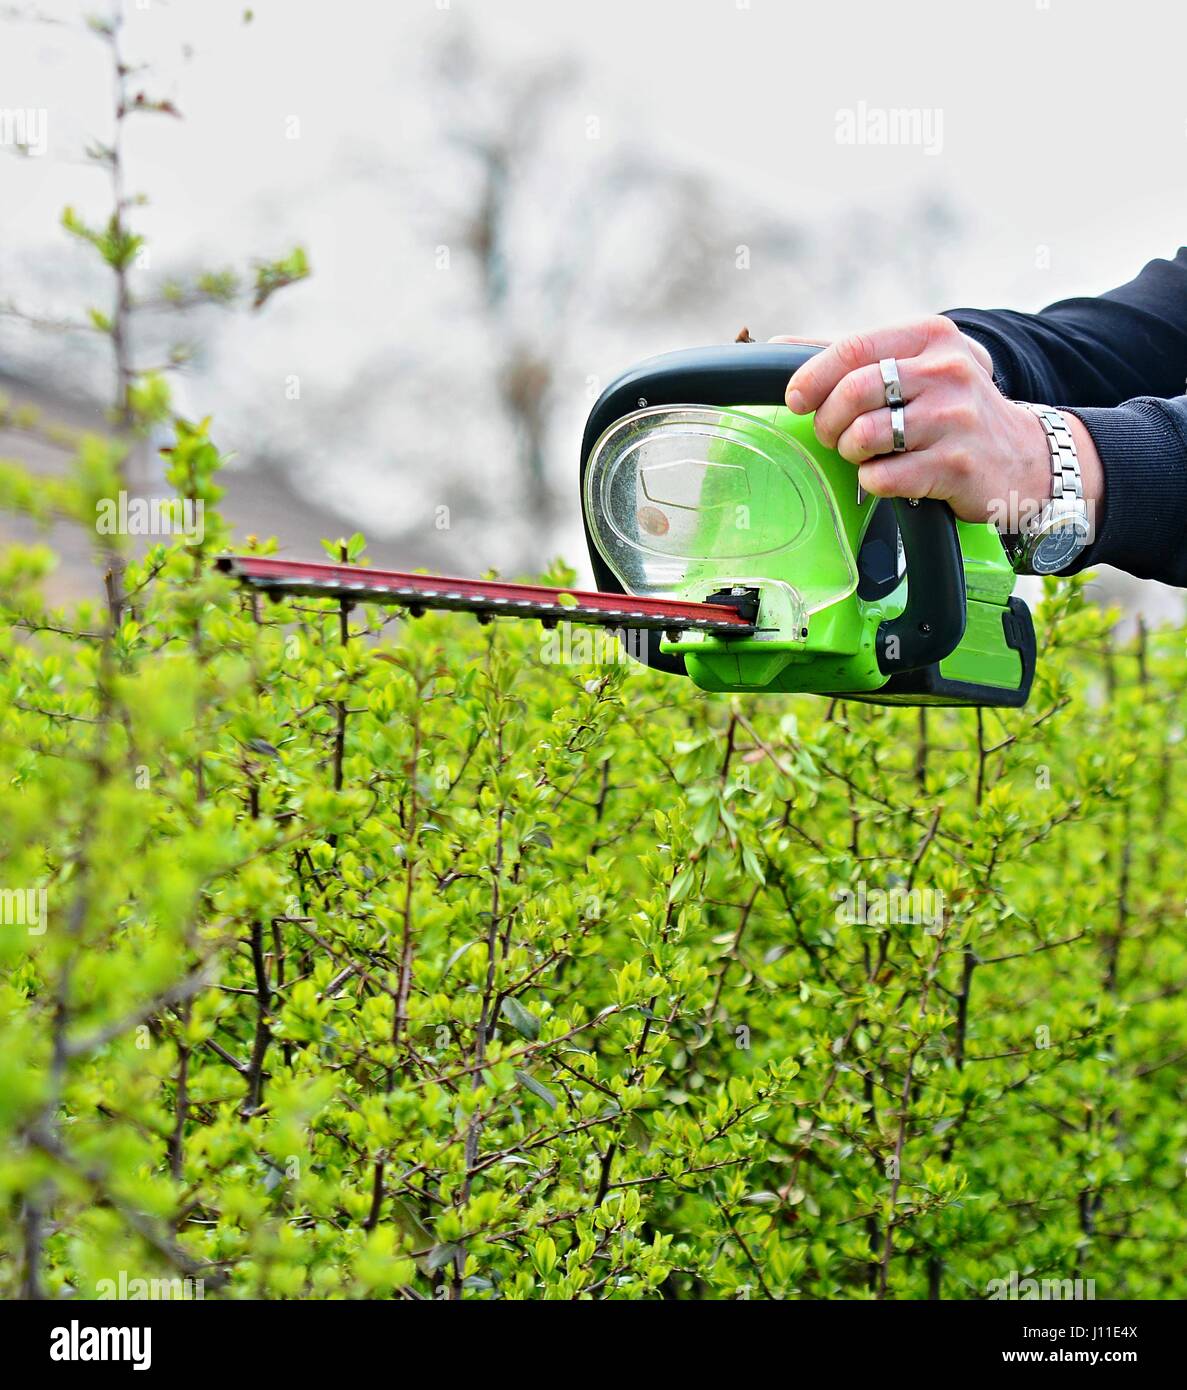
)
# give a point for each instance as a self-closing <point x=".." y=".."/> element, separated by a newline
<point x="488" y="598"/>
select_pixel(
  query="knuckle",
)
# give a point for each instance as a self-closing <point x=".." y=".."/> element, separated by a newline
<point x="890" y="480"/>
<point x="874" y="478"/>
<point x="941" y="329"/>
<point x="851" y="393"/>
<point x="953" y="368"/>
<point x="825" y="430"/>
<point x="910" y="483"/>
<point x="849" y="446"/>
<point x="958" y="463"/>
<point x="856" y="349"/>
<point x="865" y="432"/>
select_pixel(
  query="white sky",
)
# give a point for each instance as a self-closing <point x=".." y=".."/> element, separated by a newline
<point x="1064" y="123"/>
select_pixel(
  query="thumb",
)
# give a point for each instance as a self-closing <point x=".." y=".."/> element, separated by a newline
<point x="981" y="353"/>
<point x="808" y="342"/>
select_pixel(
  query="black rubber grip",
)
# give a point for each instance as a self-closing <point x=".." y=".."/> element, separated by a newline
<point x="931" y="625"/>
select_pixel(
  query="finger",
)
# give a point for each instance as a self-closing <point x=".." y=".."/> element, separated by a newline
<point x="807" y="342"/>
<point x="813" y="382"/>
<point x="901" y="475"/>
<point x="981" y="353"/>
<point x="859" y="392"/>
<point x="870" y="435"/>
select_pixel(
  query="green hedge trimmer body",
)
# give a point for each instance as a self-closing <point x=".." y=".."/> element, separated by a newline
<point x="719" y="525"/>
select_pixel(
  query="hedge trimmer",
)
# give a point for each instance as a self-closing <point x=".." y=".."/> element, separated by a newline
<point x="717" y="520"/>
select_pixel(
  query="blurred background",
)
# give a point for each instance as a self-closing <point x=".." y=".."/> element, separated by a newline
<point x="505" y="203"/>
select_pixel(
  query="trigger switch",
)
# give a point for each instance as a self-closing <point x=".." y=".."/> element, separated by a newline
<point x="878" y="563"/>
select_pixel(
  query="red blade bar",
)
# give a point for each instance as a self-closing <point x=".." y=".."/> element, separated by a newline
<point x="487" y="598"/>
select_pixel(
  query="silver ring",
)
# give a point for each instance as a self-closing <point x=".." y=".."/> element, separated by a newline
<point x="898" y="428"/>
<point x="893" y="392"/>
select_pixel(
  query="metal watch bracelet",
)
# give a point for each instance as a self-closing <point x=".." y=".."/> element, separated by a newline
<point x="1067" y="488"/>
<point x="1065" y="462"/>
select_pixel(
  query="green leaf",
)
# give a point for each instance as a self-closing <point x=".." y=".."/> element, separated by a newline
<point x="526" y="1024"/>
<point x="537" y="1088"/>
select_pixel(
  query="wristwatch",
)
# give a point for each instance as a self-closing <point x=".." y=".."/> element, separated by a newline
<point x="1051" y="539"/>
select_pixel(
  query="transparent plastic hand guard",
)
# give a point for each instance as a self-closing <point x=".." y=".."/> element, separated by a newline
<point x="677" y="496"/>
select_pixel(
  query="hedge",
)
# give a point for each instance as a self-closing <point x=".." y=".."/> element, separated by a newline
<point x="396" y="958"/>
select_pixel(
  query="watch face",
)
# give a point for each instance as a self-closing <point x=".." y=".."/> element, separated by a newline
<point x="1057" y="549"/>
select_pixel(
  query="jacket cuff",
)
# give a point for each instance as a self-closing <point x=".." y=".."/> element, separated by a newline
<point x="1144" y="457"/>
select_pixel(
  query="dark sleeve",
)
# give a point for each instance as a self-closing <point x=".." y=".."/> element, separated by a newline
<point x="1119" y="362"/>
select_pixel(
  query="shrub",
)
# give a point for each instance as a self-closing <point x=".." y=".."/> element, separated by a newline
<point x="386" y="958"/>
<point x="343" y="955"/>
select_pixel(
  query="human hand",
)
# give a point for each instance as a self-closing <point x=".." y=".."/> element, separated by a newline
<point x="983" y="454"/>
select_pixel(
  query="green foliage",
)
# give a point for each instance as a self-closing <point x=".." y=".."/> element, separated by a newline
<point x="388" y="958"/>
<point x="385" y="959"/>
<point x="271" y="276"/>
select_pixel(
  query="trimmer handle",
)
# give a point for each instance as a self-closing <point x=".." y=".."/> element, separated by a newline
<point x="732" y="374"/>
<point x="931" y="625"/>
